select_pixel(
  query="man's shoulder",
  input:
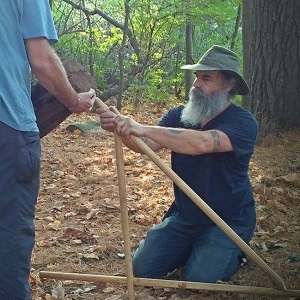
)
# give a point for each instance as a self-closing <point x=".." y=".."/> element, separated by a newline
<point x="172" y="117"/>
<point x="238" y="109"/>
<point x="240" y="124"/>
<point x="241" y="114"/>
<point x="176" y="109"/>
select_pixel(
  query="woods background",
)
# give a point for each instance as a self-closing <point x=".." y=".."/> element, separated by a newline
<point x="140" y="58"/>
<point x="134" y="49"/>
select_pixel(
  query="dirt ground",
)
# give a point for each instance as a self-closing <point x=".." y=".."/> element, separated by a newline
<point x="78" y="219"/>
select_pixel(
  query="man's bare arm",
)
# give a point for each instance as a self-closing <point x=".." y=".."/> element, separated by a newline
<point x="50" y="72"/>
<point x="188" y="141"/>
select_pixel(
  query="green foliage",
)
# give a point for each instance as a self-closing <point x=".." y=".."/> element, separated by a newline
<point x="237" y="100"/>
<point x="156" y="47"/>
<point x="153" y="91"/>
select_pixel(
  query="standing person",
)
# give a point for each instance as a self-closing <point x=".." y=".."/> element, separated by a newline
<point x="26" y="30"/>
<point x="211" y="142"/>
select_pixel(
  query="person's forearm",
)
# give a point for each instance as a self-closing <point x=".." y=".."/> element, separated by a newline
<point x="48" y="69"/>
<point x="178" y="140"/>
<point x="131" y="145"/>
<point x="188" y="141"/>
<point x="52" y="76"/>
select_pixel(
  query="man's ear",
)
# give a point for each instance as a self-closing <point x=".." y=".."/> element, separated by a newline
<point x="229" y="85"/>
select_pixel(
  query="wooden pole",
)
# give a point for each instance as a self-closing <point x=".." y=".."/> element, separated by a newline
<point x="205" y="208"/>
<point x="123" y="206"/>
<point x="210" y="213"/>
<point x="172" y="284"/>
<point x="124" y="214"/>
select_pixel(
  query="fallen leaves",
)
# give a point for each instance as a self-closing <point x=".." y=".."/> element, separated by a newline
<point x="293" y="178"/>
<point x="78" y="213"/>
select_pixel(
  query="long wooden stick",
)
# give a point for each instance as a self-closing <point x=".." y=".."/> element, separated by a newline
<point x="172" y="284"/>
<point x="205" y="208"/>
<point x="210" y="213"/>
<point x="124" y="215"/>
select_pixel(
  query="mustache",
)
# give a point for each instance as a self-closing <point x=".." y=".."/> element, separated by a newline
<point x="197" y="92"/>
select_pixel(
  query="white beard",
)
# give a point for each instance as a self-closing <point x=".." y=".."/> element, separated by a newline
<point x="201" y="106"/>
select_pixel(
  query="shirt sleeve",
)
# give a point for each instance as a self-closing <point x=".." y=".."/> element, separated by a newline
<point x="171" y="118"/>
<point x="36" y="20"/>
<point x="242" y="132"/>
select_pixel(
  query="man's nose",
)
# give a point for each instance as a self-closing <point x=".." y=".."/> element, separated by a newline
<point x="197" y="83"/>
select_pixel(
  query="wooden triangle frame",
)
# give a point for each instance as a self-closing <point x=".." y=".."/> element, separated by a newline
<point x="282" y="291"/>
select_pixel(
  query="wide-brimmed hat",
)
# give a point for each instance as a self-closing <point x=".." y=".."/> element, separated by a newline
<point x="218" y="58"/>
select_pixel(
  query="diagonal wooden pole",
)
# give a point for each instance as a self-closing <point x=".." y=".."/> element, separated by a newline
<point x="204" y="207"/>
<point x="210" y="213"/>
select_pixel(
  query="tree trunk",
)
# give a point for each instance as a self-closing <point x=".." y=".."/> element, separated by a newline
<point x="48" y="110"/>
<point x="275" y="64"/>
<point x="122" y="54"/>
<point x="189" y="76"/>
<point x="246" y="36"/>
<point x="236" y="27"/>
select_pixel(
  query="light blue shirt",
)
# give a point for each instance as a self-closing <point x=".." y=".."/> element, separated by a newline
<point x="20" y="20"/>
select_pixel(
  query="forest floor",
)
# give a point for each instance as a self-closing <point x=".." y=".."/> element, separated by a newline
<point x="78" y="220"/>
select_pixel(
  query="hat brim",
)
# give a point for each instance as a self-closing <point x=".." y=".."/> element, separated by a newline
<point x="242" y="84"/>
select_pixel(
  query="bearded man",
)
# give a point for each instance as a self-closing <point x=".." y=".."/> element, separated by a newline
<point x="211" y="142"/>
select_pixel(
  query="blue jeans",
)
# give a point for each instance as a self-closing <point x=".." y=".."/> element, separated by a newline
<point x="206" y="254"/>
<point x="19" y="185"/>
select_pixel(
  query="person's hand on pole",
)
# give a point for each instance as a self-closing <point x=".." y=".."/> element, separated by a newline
<point x="126" y="126"/>
<point x="85" y="102"/>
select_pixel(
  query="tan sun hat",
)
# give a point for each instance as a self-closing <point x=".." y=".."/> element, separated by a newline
<point x="218" y="58"/>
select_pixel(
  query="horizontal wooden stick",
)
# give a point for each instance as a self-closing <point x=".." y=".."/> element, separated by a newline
<point x="204" y="207"/>
<point x="171" y="284"/>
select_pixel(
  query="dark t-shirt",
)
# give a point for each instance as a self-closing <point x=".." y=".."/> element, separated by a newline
<point x="220" y="179"/>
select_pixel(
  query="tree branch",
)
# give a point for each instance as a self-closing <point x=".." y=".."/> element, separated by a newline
<point x="98" y="12"/>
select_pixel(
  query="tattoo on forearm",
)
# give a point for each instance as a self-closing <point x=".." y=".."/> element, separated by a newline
<point x="216" y="139"/>
<point x="175" y="131"/>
